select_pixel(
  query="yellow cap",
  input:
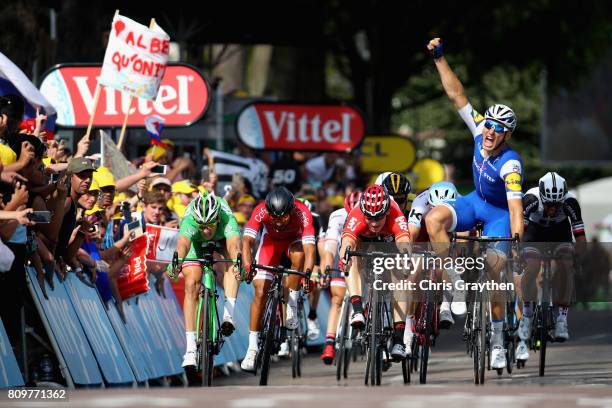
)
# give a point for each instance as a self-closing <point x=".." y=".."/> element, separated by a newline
<point x="157" y="151"/>
<point x="119" y="197"/>
<point x="47" y="161"/>
<point x="94" y="185"/>
<point x="104" y="178"/>
<point x="103" y="169"/>
<point x="246" y="198"/>
<point x="94" y="210"/>
<point x="117" y="215"/>
<point x="183" y="186"/>
<point x="240" y="218"/>
<point x="7" y="155"/>
<point x="336" y="201"/>
<point x="427" y="172"/>
<point x="179" y="209"/>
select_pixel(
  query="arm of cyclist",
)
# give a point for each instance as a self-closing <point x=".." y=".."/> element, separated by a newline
<point x="233" y="249"/>
<point x="452" y="86"/>
<point x="247" y="254"/>
<point x="517" y="225"/>
<point x="347" y="242"/>
<point x="182" y="249"/>
<point x="571" y="207"/>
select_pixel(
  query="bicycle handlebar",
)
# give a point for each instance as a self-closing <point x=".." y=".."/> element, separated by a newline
<point x="280" y="270"/>
<point x="455" y="237"/>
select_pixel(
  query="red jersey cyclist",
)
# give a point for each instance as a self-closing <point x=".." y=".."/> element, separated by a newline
<point x="286" y="230"/>
<point x="377" y="218"/>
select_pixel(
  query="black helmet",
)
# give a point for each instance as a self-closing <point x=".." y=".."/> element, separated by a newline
<point x="279" y="201"/>
<point x="397" y="185"/>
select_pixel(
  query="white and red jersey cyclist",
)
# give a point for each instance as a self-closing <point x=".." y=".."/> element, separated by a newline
<point x="274" y="242"/>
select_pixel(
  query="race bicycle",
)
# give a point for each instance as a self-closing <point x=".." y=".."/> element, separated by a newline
<point x="477" y="330"/>
<point x="378" y="325"/>
<point x="273" y="332"/>
<point x="209" y="339"/>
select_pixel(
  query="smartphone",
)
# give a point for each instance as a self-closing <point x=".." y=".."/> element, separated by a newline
<point x="126" y="209"/>
<point x="54" y="178"/>
<point x="94" y="228"/>
<point x="161" y="169"/>
<point x="133" y="225"/>
<point x="40" y="217"/>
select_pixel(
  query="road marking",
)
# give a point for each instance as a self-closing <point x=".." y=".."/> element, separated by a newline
<point x="269" y="400"/>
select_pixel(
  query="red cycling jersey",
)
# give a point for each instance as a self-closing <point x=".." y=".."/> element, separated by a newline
<point x="395" y="226"/>
<point x="299" y="226"/>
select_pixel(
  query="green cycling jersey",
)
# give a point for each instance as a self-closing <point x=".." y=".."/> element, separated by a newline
<point x="227" y="226"/>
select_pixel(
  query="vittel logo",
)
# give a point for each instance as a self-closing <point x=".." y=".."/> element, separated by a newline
<point x="304" y="127"/>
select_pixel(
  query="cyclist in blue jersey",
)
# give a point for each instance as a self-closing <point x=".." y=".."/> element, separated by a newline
<point x="497" y="198"/>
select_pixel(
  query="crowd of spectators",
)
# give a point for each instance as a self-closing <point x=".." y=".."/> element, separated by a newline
<point x="88" y="208"/>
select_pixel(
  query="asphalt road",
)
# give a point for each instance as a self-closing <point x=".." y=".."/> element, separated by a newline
<point x="579" y="373"/>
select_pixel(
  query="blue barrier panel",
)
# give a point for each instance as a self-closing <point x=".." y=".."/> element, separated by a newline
<point x="132" y="348"/>
<point x="67" y="331"/>
<point x="99" y="331"/>
<point x="246" y="293"/>
<point x="153" y="319"/>
<point x="10" y="376"/>
<point x="145" y="339"/>
<point x="168" y="307"/>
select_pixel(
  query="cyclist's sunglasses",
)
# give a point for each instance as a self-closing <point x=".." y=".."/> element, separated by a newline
<point x="209" y="225"/>
<point x="280" y="217"/>
<point x="498" y="128"/>
<point x="377" y="218"/>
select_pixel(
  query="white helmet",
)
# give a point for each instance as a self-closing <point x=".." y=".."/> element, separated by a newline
<point x="502" y="114"/>
<point x="552" y="188"/>
<point x="441" y="192"/>
<point x="205" y="208"/>
<point x="381" y="177"/>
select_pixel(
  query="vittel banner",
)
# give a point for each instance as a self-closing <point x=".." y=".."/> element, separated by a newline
<point x="182" y="99"/>
<point x="284" y="126"/>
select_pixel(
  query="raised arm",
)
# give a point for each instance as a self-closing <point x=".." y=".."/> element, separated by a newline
<point x="450" y="82"/>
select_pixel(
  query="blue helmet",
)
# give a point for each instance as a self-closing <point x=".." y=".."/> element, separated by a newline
<point x="441" y="192"/>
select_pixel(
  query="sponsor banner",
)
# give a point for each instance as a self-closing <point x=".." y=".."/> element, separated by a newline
<point x="99" y="331"/>
<point x="162" y="243"/>
<point x="134" y="279"/>
<point x="65" y="327"/>
<point x="227" y="164"/>
<point x="182" y="99"/>
<point x="387" y="153"/>
<point x="135" y="58"/>
<point x="10" y="375"/>
<point x="285" y="126"/>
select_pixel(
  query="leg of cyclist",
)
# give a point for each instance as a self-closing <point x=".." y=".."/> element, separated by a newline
<point x="353" y="281"/>
<point x="297" y="257"/>
<point x="231" y="282"/>
<point x="268" y="253"/>
<point x="192" y="273"/>
<point x="337" y="289"/>
<point x="528" y="298"/>
<point x="313" y="301"/>
<point x="399" y="305"/>
<point x="563" y="286"/>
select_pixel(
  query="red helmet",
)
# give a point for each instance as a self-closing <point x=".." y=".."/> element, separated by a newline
<point x="375" y="201"/>
<point x="351" y="200"/>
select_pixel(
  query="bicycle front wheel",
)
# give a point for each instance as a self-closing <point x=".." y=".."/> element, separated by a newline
<point x="426" y="336"/>
<point x="343" y="356"/>
<point x="269" y="330"/>
<point x="206" y="337"/>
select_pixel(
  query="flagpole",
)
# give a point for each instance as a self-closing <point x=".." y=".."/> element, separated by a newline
<point x="127" y="113"/>
<point x="96" y="99"/>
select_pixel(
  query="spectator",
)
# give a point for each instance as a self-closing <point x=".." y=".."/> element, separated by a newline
<point x="321" y="168"/>
<point x="183" y="192"/>
<point x="106" y="182"/>
<point x="246" y="204"/>
<point x="164" y="187"/>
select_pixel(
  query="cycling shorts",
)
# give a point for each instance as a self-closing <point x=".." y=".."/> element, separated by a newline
<point x="271" y="252"/>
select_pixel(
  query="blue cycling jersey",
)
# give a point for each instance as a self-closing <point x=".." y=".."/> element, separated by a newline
<point x="496" y="178"/>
